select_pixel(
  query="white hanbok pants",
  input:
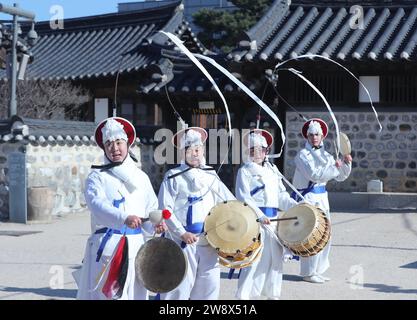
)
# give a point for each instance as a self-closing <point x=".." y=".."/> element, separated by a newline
<point x="264" y="276"/>
<point x="317" y="264"/>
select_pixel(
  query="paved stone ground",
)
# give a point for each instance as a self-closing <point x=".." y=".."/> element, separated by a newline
<point x="374" y="256"/>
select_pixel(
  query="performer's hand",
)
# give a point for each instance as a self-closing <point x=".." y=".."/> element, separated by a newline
<point x="347" y="158"/>
<point x="338" y="163"/>
<point x="133" y="222"/>
<point x="189" y="238"/>
<point x="160" y="228"/>
<point x="286" y="254"/>
<point x="265" y="220"/>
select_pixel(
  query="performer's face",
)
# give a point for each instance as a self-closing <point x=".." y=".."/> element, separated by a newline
<point x="194" y="156"/>
<point x="257" y="154"/>
<point x="315" y="139"/>
<point x="116" y="151"/>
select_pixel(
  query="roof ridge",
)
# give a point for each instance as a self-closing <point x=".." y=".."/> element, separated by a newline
<point x="350" y="3"/>
<point x="109" y="20"/>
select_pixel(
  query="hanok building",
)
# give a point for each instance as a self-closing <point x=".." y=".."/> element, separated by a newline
<point x="110" y="55"/>
<point x="376" y="40"/>
<point x="130" y="67"/>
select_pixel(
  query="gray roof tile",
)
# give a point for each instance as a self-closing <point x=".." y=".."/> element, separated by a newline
<point x="324" y="27"/>
<point x="98" y="46"/>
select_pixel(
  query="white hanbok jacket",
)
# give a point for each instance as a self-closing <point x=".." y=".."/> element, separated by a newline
<point x="202" y="185"/>
<point x="190" y="195"/>
<point x="262" y="187"/>
<point x="110" y="201"/>
<point x="314" y="168"/>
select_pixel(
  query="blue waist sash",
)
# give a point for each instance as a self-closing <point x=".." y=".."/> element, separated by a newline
<point x="269" y="212"/>
<point x="319" y="189"/>
<point x="196" y="228"/>
<point x="310" y="188"/>
<point x="109" y="232"/>
<point x="125" y="230"/>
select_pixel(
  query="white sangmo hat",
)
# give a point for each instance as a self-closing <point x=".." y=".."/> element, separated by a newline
<point x="115" y="128"/>
<point x="190" y="137"/>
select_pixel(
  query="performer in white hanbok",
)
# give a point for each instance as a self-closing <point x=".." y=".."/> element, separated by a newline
<point x="118" y="195"/>
<point x="314" y="168"/>
<point x="189" y="192"/>
<point x="259" y="184"/>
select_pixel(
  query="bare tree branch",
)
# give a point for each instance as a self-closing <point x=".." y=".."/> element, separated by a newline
<point x="49" y="99"/>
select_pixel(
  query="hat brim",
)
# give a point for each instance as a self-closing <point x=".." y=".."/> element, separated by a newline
<point x="177" y="137"/>
<point x="266" y="134"/>
<point x="323" y="126"/>
<point x="127" y="127"/>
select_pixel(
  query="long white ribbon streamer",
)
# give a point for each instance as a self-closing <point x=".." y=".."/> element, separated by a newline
<point x="298" y="74"/>
<point x="184" y="49"/>
<point x="249" y="93"/>
<point x="311" y="56"/>
<point x="190" y="55"/>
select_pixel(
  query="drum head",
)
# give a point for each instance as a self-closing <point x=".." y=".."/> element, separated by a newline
<point x="294" y="231"/>
<point x="231" y="226"/>
<point x="160" y="265"/>
<point x="345" y="147"/>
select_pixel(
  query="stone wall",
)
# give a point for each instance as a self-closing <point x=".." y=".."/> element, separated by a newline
<point x="61" y="167"/>
<point x="389" y="155"/>
<point x="5" y="149"/>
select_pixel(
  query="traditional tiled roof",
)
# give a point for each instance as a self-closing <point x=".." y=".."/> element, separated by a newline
<point x="43" y="132"/>
<point x="331" y="28"/>
<point x="100" y="46"/>
<point x="182" y="76"/>
<point x="37" y="131"/>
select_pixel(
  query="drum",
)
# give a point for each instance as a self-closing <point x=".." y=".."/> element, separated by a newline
<point x="307" y="235"/>
<point x="232" y="229"/>
<point x="160" y="265"/>
<point x="345" y="147"/>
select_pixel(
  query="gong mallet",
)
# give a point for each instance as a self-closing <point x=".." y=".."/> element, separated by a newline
<point x="157" y="216"/>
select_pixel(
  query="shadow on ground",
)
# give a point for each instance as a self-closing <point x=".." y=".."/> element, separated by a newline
<point x="46" y="292"/>
<point x="387" y="288"/>
<point x="287" y="277"/>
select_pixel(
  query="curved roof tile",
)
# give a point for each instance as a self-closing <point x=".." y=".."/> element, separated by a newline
<point x="97" y="46"/>
<point x="329" y="28"/>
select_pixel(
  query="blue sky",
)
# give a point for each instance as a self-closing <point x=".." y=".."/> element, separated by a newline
<point x="71" y="8"/>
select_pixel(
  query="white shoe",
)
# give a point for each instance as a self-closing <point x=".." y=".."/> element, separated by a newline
<point x="313" y="279"/>
<point x="324" y="278"/>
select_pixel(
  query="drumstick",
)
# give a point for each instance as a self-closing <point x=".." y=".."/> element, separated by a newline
<point x="280" y="219"/>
